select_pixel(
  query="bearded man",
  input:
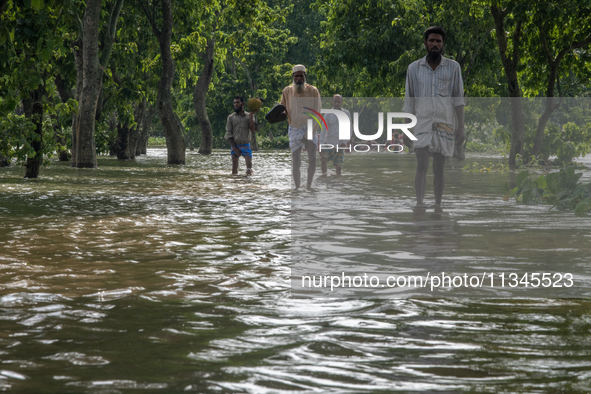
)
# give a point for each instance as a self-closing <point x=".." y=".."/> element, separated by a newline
<point x="298" y="99"/>
<point x="434" y="93"/>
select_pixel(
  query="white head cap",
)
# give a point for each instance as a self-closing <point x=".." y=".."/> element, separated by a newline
<point x="298" y="67"/>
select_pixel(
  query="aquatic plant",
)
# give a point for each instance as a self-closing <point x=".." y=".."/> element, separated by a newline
<point x="562" y="189"/>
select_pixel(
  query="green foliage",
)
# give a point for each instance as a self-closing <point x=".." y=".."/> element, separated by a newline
<point x="277" y="143"/>
<point x="156" y="141"/>
<point x="356" y="48"/>
<point x="561" y="189"/>
<point x="568" y="143"/>
<point x="18" y="133"/>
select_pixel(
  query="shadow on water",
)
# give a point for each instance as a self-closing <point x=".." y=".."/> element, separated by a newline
<point x="141" y="276"/>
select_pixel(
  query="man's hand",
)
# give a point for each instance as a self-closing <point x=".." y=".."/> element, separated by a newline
<point x="460" y="137"/>
<point x="236" y="151"/>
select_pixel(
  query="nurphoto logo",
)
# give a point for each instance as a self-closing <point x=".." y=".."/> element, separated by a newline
<point x="345" y="126"/>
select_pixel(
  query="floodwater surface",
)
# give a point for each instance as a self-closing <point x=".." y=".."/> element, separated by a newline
<point x="144" y="277"/>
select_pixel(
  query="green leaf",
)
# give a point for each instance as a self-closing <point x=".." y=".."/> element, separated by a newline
<point x="45" y="55"/>
<point x="521" y="177"/>
<point x="541" y="182"/>
<point x="37" y="4"/>
<point x="583" y="207"/>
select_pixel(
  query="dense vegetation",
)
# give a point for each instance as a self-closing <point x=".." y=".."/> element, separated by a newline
<point x="83" y="78"/>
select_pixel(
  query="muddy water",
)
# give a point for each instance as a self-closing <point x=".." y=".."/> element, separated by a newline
<point x="143" y="277"/>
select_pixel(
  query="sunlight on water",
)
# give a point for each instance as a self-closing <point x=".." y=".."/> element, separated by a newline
<point x="144" y="276"/>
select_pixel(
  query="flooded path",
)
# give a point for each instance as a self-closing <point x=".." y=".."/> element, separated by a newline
<point x="143" y="277"/>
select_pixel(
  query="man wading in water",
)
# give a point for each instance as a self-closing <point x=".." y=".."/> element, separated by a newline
<point x="300" y="97"/>
<point x="238" y="128"/>
<point x="435" y="94"/>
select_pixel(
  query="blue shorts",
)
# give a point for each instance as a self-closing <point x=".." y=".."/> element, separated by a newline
<point x="244" y="149"/>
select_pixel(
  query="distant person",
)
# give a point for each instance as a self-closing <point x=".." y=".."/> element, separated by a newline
<point x="239" y="126"/>
<point x="440" y="79"/>
<point x="394" y="142"/>
<point x="331" y="137"/>
<point x="296" y="98"/>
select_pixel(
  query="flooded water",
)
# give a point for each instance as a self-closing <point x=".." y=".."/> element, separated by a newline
<point x="144" y="277"/>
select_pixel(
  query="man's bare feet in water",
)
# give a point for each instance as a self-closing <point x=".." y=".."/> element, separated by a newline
<point x="249" y="171"/>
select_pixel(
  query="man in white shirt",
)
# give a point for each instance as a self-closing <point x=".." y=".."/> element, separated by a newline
<point x="435" y="94"/>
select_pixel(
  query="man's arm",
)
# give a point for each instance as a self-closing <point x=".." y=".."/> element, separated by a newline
<point x="230" y="136"/>
<point x="284" y="101"/>
<point x="234" y="148"/>
<point x="409" y="93"/>
<point x="458" y="102"/>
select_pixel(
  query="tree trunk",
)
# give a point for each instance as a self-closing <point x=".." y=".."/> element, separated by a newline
<point x="539" y="137"/>
<point x="64" y="94"/>
<point x="33" y="107"/>
<point x="200" y="96"/>
<point x="128" y="137"/>
<point x="79" y="61"/>
<point x="92" y="74"/>
<point x="510" y="67"/>
<point x="112" y="128"/>
<point x="175" y="141"/>
<point x="188" y="141"/>
<point x="145" y="130"/>
<point x="62" y="153"/>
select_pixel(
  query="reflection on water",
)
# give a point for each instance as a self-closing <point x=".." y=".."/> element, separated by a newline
<point x="345" y="230"/>
<point x="143" y="276"/>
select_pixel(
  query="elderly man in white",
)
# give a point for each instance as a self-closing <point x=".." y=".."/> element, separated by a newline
<point x="298" y="98"/>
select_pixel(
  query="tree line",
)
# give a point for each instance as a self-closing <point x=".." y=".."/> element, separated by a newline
<point x="83" y="78"/>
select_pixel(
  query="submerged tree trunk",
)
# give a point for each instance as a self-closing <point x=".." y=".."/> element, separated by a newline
<point x="33" y="107"/>
<point x="65" y="94"/>
<point x="79" y="61"/>
<point x="62" y="153"/>
<point x="145" y="130"/>
<point x="175" y="141"/>
<point x="510" y="63"/>
<point x="112" y="130"/>
<point x="200" y="96"/>
<point x="85" y="143"/>
<point x="128" y="137"/>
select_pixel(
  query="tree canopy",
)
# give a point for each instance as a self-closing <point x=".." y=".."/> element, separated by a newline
<point x="222" y="48"/>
